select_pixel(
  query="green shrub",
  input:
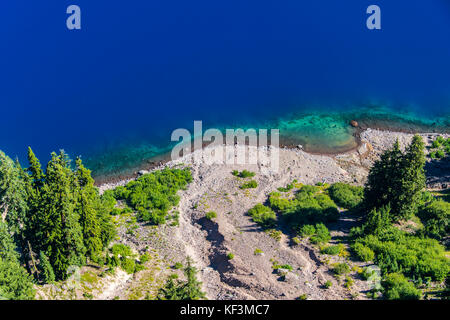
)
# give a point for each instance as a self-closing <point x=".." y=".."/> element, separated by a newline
<point x="274" y="234"/>
<point x="211" y="215"/>
<point x="243" y="174"/>
<point x="246" y="174"/>
<point x="154" y="194"/>
<point x="257" y="252"/>
<point x="129" y="265"/>
<point x="264" y="216"/>
<point x="322" y="234"/>
<point x="249" y="185"/>
<point x="120" y="249"/>
<point x="399" y="252"/>
<point x="177" y="265"/>
<point x="435" y="218"/>
<point x="397" y="287"/>
<point x="116" y="212"/>
<point x="230" y="256"/>
<point x="144" y="258"/>
<point x="341" y="268"/>
<point x="307" y="230"/>
<point x="362" y="252"/>
<point x="331" y="250"/>
<point x="345" y="195"/>
<point x="440" y="154"/>
<point x="308" y="207"/>
<point x="287" y="188"/>
<point x="368" y="273"/>
<point x="328" y="284"/>
<point x="287" y="267"/>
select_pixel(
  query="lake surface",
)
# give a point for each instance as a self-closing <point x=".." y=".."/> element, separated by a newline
<point x="115" y="90"/>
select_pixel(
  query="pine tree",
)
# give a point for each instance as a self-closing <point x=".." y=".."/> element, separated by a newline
<point x="413" y="180"/>
<point x="45" y="268"/>
<point x="183" y="290"/>
<point x="396" y="180"/>
<point x="15" y="282"/>
<point x="378" y="221"/>
<point x="192" y="290"/>
<point x="13" y="195"/>
<point x="58" y="222"/>
<point x="86" y="208"/>
<point x="35" y="169"/>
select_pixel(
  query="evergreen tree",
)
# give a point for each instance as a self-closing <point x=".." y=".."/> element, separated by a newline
<point x="45" y="268"/>
<point x="378" y="221"/>
<point x="183" y="290"/>
<point x="59" y="226"/>
<point x="413" y="180"/>
<point x="91" y="218"/>
<point x="35" y="169"/>
<point x="13" y="195"/>
<point x="15" y="282"/>
<point x="193" y="288"/>
<point x="396" y="180"/>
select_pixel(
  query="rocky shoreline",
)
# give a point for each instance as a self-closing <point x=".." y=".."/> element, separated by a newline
<point x="371" y="143"/>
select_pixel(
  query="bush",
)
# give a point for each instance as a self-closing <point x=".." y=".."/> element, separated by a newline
<point x="274" y="234"/>
<point x="129" y="265"/>
<point x="308" y="207"/>
<point x="322" y="234"/>
<point x="264" y="216"/>
<point x="331" y="250"/>
<point x="230" y="256"/>
<point x="246" y="174"/>
<point x="257" y="252"/>
<point x="307" y="230"/>
<point x="154" y="194"/>
<point x="211" y="215"/>
<point x="440" y="154"/>
<point x="397" y="287"/>
<point x="435" y="144"/>
<point x="399" y="252"/>
<point x="341" y="268"/>
<point x="367" y="273"/>
<point x="328" y="284"/>
<point x="435" y="218"/>
<point x="362" y="252"/>
<point x="144" y="258"/>
<point x="345" y="195"/>
<point x="249" y="185"/>
<point x="287" y="267"/>
<point x="243" y="174"/>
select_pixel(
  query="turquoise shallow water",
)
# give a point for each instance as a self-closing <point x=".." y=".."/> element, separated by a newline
<point x="318" y="131"/>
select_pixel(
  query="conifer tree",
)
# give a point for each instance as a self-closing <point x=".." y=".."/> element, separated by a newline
<point x="58" y="222"/>
<point x="15" y="282"/>
<point x="396" y="180"/>
<point x="13" y="195"/>
<point x="45" y="268"/>
<point x="35" y="169"/>
<point x="412" y="180"/>
<point x="89" y="220"/>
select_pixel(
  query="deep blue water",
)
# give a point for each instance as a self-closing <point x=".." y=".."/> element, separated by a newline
<point x="116" y="89"/>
